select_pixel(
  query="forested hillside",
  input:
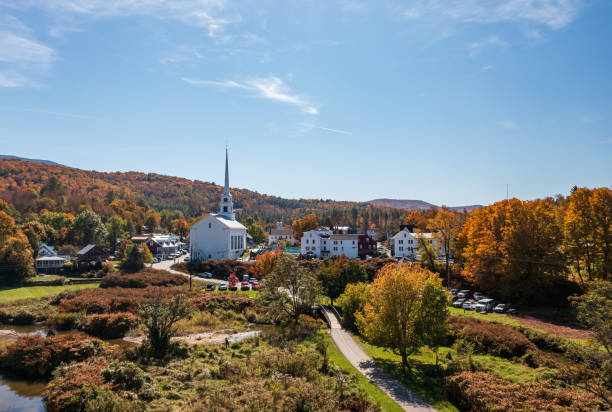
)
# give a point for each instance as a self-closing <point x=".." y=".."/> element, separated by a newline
<point x="33" y="187"/>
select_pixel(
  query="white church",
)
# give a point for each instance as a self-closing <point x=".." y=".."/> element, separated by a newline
<point x="218" y="236"/>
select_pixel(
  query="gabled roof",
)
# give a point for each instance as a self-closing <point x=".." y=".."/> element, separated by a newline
<point x="344" y="237"/>
<point x="281" y="232"/>
<point x="402" y="231"/>
<point x="86" y="249"/>
<point x="230" y="224"/>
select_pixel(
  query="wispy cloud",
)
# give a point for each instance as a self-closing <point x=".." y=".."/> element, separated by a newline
<point x="271" y="88"/>
<point x="554" y="14"/>
<point x="328" y="129"/>
<point x="203" y="13"/>
<point x="486" y="68"/>
<point x="21" y="56"/>
<point x="606" y="141"/>
<point x="492" y="41"/>
<point x="508" y="124"/>
<point x="590" y="119"/>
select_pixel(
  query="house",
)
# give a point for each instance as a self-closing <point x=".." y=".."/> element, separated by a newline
<point x="405" y="243"/>
<point x="163" y="245"/>
<point x="323" y="243"/>
<point x="48" y="261"/>
<point x="279" y="233"/>
<point x="218" y="236"/>
<point x="367" y="246"/>
<point x="49" y="264"/>
<point x="138" y="239"/>
<point x="92" y="252"/>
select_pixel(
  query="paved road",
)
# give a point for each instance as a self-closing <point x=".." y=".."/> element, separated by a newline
<point x="165" y="265"/>
<point x="403" y="396"/>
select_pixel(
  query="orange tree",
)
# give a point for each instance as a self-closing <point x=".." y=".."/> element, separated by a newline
<point x="406" y="308"/>
<point x="512" y="250"/>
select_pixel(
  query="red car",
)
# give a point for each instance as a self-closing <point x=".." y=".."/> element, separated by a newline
<point x="255" y="286"/>
<point x="245" y="286"/>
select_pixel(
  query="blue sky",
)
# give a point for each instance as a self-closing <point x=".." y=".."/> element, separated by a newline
<point x="445" y="101"/>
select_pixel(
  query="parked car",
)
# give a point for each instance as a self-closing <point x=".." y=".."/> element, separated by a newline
<point x="454" y="292"/>
<point x="210" y="287"/>
<point x="467" y="305"/>
<point x="466" y="293"/>
<point x="478" y="296"/>
<point x="222" y="286"/>
<point x="245" y="286"/>
<point x="484" y="305"/>
<point x="233" y="286"/>
<point x="255" y="286"/>
<point x="253" y="280"/>
<point x="504" y="308"/>
<point x="206" y="275"/>
<point x="458" y="303"/>
<point x="187" y="259"/>
<point x="155" y="260"/>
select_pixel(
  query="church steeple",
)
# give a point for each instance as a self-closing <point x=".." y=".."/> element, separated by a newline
<point x="227" y="205"/>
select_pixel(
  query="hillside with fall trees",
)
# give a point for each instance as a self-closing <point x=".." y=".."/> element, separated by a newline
<point x="31" y="187"/>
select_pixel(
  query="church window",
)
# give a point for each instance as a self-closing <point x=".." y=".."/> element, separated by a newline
<point x="209" y="225"/>
<point x="225" y="208"/>
<point x="225" y="199"/>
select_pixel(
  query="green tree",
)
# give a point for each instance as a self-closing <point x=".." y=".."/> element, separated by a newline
<point x="337" y="272"/>
<point x="592" y="369"/>
<point x="88" y="228"/>
<point x="135" y="257"/>
<point x="159" y="316"/>
<point x="351" y="302"/>
<point x="406" y="308"/>
<point x="115" y="227"/>
<point x="290" y="289"/>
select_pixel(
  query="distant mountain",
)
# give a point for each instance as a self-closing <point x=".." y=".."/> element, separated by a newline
<point x="415" y="204"/>
<point x="47" y="162"/>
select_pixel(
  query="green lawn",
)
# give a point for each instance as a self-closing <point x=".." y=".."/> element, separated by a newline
<point x="488" y="317"/>
<point x="27" y="292"/>
<point x="374" y="392"/>
<point x="421" y="380"/>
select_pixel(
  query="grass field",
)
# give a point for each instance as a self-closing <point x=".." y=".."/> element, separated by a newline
<point x="27" y="292"/>
<point x="423" y="384"/>
<point x="374" y="392"/>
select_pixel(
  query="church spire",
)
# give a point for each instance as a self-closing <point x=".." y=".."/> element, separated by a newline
<point x="226" y="188"/>
<point x="227" y="204"/>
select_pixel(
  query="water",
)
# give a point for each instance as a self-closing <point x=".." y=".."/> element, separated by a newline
<point x="21" y="396"/>
<point x="243" y="335"/>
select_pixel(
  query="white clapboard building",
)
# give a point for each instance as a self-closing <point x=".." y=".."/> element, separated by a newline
<point x="218" y="236"/>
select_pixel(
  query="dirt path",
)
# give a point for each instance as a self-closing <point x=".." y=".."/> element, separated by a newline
<point x="403" y="396"/>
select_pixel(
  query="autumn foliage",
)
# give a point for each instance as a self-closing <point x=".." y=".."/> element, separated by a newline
<point x="483" y="392"/>
<point x="35" y="356"/>
<point x="144" y="278"/>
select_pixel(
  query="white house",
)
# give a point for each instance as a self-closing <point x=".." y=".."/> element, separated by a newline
<point x="405" y="243"/>
<point x="280" y="233"/>
<point x="218" y="236"/>
<point x="322" y="243"/>
<point x="48" y="261"/>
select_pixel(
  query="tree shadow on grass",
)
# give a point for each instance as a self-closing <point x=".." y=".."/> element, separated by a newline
<point x="426" y="380"/>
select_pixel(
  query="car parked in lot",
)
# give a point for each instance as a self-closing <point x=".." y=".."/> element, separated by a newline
<point x="504" y="308"/>
<point x="210" y="287"/>
<point x="458" y="303"/>
<point x="465" y="293"/>
<point x="245" y="286"/>
<point x="255" y="286"/>
<point x="205" y="275"/>
<point x="233" y="286"/>
<point x="187" y="259"/>
<point x="222" y="286"/>
<point x="467" y="305"/>
<point x="253" y="280"/>
<point x="454" y="292"/>
<point x="484" y="305"/>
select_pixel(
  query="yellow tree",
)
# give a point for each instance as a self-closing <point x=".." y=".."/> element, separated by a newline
<point x="447" y="225"/>
<point x="304" y="224"/>
<point x="578" y="228"/>
<point x="406" y="308"/>
<point x="601" y="210"/>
